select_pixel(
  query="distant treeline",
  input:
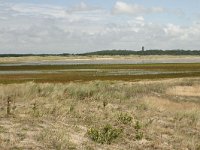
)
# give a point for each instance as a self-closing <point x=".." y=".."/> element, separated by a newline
<point x="147" y="52"/>
<point x="115" y="52"/>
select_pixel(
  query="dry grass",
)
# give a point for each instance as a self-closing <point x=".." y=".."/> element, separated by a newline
<point x="161" y="114"/>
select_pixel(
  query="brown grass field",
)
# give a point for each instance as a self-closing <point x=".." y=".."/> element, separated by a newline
<point x="159" y="114"/>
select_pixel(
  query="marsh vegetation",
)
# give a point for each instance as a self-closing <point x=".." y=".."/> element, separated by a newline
<point x="91" y="72"/>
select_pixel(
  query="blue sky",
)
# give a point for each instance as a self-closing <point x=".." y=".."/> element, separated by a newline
<point x="61" y="26"/>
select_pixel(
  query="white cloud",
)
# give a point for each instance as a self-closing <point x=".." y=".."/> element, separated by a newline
<point x="83" y="7"/>
<point x="140" y="18"/>
<point x="124" y="8"/>
<point x="33" y="10"/>
<point x="134" y="9"/>
<point x="175" y="32"/>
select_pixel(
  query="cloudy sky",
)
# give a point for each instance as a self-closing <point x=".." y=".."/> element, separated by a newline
<point x="74" y="26"/>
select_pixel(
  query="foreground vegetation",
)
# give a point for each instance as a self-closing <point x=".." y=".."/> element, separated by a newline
<point x="111" y="115"/>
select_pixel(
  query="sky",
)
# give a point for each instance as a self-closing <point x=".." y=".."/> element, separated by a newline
<point x="78" y="26"/>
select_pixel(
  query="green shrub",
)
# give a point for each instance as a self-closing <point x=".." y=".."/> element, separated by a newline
<point x="104" y="135"/>
<point x="198" y="147"/>
<point x="2" y="129"/>
<point x="142" y="106"/>
<point x="139" y="133"/>
<point x="36" y="112"/>
<point x="125" y="118"/>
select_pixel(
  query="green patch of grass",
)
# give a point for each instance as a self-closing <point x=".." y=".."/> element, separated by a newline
<point x="142" y="106"/>
<point x="125" y="118"/>
<point x="138" y="133"/>
<point x="2" y="129"/>
<point x="106" y="135"/>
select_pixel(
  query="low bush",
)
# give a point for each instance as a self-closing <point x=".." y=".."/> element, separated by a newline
<point x="139" y="133"/>
<point x="104" y="135"/>
<point x="125" y="118"/>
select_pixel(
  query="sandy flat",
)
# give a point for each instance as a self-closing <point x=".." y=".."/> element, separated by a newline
<point x="185" y="91"/>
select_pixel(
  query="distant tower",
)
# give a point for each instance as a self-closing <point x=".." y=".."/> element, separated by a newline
<point x="142" y="48"/>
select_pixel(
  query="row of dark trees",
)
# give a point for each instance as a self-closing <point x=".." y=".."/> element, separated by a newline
<point x="115" y="52"/>
<point x="147" y="52"/>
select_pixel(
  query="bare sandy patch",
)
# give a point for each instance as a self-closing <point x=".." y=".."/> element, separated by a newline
<point x="184" y="91"/>
<point x="166" y="105"/>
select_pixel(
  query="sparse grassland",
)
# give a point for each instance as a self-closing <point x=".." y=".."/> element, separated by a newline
<point x="161" y="114"/>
